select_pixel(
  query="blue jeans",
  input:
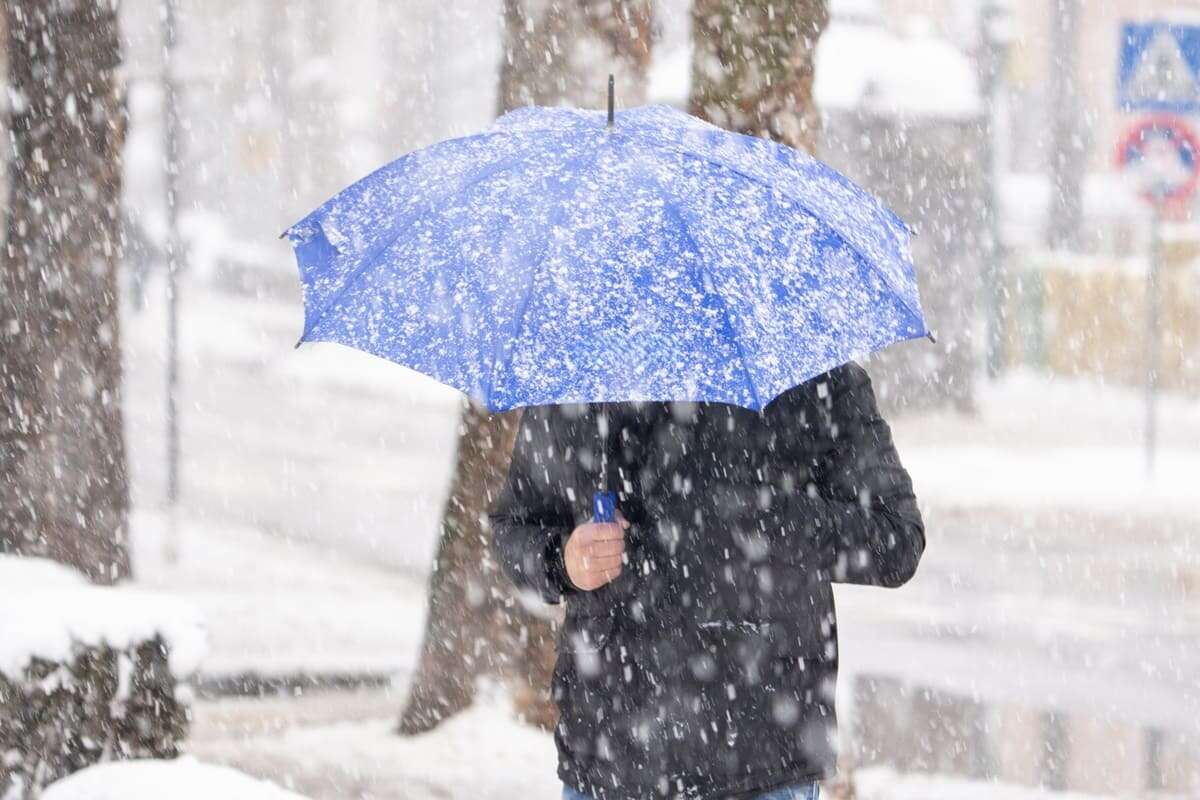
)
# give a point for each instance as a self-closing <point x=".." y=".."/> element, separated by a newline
<point x="799" y="791"/>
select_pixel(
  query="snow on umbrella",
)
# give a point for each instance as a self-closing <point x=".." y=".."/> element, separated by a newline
<point x="563" y="257"/>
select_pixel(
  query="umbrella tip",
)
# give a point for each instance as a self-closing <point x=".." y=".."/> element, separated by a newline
<point x="611" y="99"/>
<point x="929" y="335"/>
<point x="299" y="342"/>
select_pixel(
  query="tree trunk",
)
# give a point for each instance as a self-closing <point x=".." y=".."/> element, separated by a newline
<point x="477" y="626"/>
<point x="466" y="634"/>
<point x="63" y="482"/>
<point x="752" y="67"/>
<point x="565" y="52"/>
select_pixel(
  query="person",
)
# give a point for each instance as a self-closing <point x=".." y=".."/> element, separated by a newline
<point x="698" y="653"/>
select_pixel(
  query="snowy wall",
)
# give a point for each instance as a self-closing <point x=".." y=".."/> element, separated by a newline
<point x="1086" y="315"/>
<point x="86" y="674"/>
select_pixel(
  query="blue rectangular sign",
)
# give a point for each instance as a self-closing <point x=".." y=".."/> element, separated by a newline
<point x="1159" y="69"/>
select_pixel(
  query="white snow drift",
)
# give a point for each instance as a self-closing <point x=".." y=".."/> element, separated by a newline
<point x="49" y="611"/>
<point x="180" y="779"/>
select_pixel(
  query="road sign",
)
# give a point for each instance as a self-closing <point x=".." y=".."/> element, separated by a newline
<point x="1161" y="154"/>
<point x="1159" y="68"/>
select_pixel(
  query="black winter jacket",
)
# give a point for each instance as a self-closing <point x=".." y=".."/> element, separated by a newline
<point x="707" y="668"/>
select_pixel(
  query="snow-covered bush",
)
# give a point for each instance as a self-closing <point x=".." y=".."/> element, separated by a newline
<point x="179" y="779"/>
<point x="87" y="673"/>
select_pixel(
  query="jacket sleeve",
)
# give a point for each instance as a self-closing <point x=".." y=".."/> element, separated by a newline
<point x="530" y="520"/>
<point x="860" y="511"/>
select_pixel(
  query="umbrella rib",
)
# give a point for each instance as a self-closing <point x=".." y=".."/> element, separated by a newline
<point x="853" y="187"/>
<point x="481" y="177"/>
<point x="522" y="312"/>
<point x="803" y="205"/>
<point x="460" y="140"/>
<point x="671" y="209"/>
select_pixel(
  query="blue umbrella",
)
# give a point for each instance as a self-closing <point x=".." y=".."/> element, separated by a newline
<point x="559" y="257"/>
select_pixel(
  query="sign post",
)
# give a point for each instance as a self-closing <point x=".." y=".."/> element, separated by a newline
<point x="1161" y="154"/>
<point x="1153" y="334"/>
<point x="1159" y="73"/>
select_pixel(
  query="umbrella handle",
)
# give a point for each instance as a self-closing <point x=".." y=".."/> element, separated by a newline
<point x="604" y="507"/>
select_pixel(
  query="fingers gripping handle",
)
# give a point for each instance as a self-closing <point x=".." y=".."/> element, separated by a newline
<point x="604" y="507"/>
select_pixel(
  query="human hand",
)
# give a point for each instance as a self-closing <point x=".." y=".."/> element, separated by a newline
<point x="594" y="552"/>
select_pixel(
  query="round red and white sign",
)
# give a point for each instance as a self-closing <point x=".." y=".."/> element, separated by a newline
<point x="1161" y="154"/>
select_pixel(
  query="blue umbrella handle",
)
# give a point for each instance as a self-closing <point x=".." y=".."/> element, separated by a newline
<point x="604" y="507"/>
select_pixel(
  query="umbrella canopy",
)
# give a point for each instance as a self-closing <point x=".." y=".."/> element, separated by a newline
<point x="555" y="258"/>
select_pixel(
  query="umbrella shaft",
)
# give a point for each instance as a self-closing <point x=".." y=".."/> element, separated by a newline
<point x="602" y="429"/>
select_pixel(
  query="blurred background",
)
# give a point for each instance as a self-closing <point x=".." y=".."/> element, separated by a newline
<point x="293" y="497"/>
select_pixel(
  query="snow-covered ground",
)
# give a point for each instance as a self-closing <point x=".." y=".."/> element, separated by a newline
<point x="276" y="606"/>
<point x="481" y="753"/>
<point x="881" y="783"/>
<point x="320" y="444"/>
<point x="1057" y="575"/>
<point x="1057" y="443"/>
<point x="303" y="745"/>
<point x="180" y="779"/>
